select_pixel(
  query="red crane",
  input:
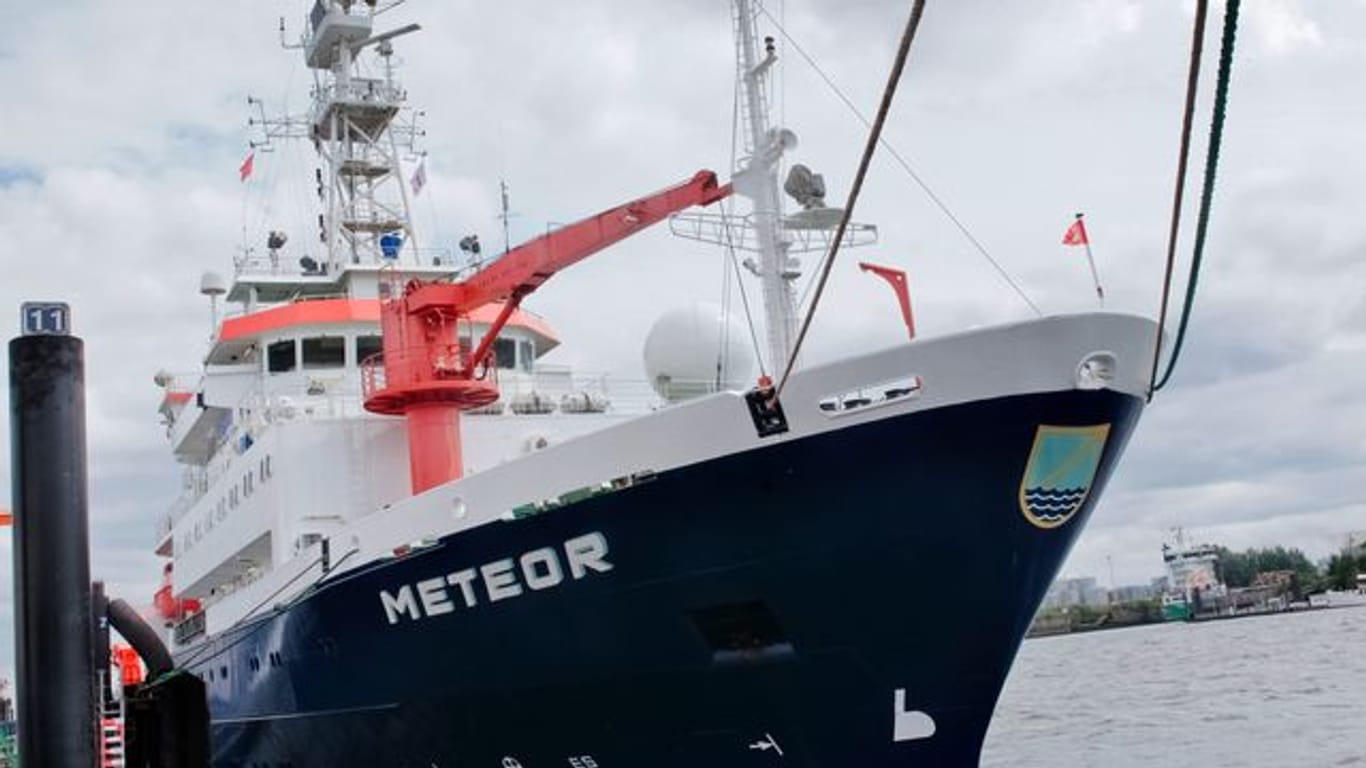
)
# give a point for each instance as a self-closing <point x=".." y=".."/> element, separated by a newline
<point x="428" y="374"/>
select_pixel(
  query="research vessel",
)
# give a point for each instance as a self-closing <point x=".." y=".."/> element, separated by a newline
<point x="404" y="540"/>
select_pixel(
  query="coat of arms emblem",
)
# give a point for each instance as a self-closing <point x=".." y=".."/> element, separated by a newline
<point x="1058" y="477"/>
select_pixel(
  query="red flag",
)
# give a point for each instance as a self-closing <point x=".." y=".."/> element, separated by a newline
<point x="1075" y="234"/>
<point x="244" y="171"/>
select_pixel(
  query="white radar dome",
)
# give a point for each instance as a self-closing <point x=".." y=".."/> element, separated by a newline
<point x="213" y="284"/>
<point x="686" y="345"/>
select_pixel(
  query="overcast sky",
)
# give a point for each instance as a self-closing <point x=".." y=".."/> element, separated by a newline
<point x="124" y="124"/>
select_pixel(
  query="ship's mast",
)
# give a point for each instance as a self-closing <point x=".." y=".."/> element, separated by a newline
<point x="766" y="230"/>
<point x="352" y="123"/>
<point x="757" y="179"/>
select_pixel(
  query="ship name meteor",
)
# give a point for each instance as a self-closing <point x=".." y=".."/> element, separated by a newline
<point x="502" y="579"/>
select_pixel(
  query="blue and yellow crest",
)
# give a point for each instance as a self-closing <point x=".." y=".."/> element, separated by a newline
<point x="1058" y="477"/>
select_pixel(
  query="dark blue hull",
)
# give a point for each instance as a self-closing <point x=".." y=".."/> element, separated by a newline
<point x="793" y="598"/>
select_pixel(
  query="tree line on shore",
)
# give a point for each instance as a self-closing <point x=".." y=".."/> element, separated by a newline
<point x="1240" y="569"/>
<point x="1235" y="569"/>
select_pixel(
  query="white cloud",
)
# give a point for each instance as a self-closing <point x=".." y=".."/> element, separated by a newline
<point x="1283" y="26"/>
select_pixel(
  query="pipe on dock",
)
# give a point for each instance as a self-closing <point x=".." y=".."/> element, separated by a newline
<point x="142" y="637"/>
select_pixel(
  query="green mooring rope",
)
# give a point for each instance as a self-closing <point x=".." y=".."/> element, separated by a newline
<point x="1179" y="193"/>
<point x="1216" y="133"/>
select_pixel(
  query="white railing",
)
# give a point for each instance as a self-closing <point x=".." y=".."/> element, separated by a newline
<point x="562" y="388"/>
<point x="273" y="264"/>
<point x="254" y="265"/>
<point x="179" y="508"/>
<point x="357" y="90"/>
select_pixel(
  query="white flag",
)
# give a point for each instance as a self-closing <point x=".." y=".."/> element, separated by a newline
<point x="419" y="179"/>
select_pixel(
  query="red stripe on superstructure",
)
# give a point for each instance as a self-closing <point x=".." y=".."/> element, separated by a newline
<point x="320" y="312"/>
<point x="330" y="311"/>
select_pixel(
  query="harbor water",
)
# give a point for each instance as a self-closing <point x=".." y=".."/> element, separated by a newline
<point x="1286" y="690"/>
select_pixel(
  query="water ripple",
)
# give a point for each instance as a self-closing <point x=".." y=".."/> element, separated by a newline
<point x="1278" y="691"/>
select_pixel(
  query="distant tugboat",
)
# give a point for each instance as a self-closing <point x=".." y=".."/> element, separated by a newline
<point x="404" y="540"/>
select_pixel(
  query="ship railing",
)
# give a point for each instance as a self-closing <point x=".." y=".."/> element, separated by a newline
<point x="180" y="382"/>
<point x="274" y="264"/>
<point x="420" y="365"/>
<point x="197" y="480"/>
<point x="805" y="232"/>
<point x="162" y="528"/>
<point x="357" y="90"/>
<point x="178" y="510"/>
<point x="373" y="377"/>
<point x="253" y="265"/>
<point x="325" y="296"/>
<point x="190" y="628"/>
<point x="574" y="392"/>
<point x="195" y="484"/>
<point x="436" y="257"/>
<point x="224" y="590"/>
<point x="547" y="390"/>
<point x="555" y="389"/>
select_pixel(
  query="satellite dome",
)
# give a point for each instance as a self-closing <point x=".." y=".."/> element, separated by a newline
<point x="685" y="347"/>
<point x="213" y="284"/>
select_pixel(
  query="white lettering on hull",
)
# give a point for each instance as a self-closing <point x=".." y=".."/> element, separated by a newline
<point x="395" y="606"/>
<point x="533" y="562"/>
<point x="434" y="600"/>
<point x="910" y="725"/>
<point x="501" y="579"/>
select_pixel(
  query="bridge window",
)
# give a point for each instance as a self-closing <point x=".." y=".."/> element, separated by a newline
<point x="367" y="346"/>
<point x="324" y="352"/>
<point x="280" y="356"/>
<point x="505" y="353"/>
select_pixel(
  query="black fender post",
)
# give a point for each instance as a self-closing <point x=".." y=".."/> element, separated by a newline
<point x="53" y="610"/>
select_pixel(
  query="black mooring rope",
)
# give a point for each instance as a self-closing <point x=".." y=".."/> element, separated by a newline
<point x="893" y="79"/>
<point x="1216" y="133"/>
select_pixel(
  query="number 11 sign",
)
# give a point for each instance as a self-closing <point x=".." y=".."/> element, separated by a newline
<point x="45" y="318"/>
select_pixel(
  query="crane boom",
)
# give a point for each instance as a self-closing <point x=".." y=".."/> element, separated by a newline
<point x="524" y="268"/>
<point x="425" y="373"/>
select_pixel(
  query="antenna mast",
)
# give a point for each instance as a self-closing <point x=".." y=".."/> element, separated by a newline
<point x="352" y="123"/>
<point x="757" y="179"/>
<point x="766" y="230"/>
<point x="505" y="214"/>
